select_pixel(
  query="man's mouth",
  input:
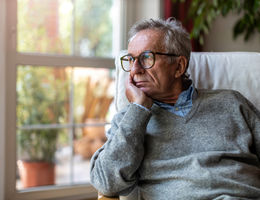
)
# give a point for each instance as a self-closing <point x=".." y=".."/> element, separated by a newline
<point x="140" y="83"/>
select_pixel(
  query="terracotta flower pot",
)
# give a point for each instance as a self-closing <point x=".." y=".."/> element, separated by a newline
<point x="36" y="173"/>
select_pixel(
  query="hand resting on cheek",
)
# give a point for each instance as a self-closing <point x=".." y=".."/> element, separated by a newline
<point x="136" y="95"/>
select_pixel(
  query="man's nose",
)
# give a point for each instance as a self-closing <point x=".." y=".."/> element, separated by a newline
<point x="137" y="68"/>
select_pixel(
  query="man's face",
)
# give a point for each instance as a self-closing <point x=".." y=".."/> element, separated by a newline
<point x="157" y="82"/>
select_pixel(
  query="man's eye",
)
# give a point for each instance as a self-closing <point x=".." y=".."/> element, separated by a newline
<point x="131" y="59"/>
<point x="147" y="56"/>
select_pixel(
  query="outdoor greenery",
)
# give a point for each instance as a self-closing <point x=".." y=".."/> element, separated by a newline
<point x="203" y="13"/>
<point x="42" y="99"/>
<point x="93" y="28"/>
<point x="43" y="28"/>
<point x="80" y="27"/>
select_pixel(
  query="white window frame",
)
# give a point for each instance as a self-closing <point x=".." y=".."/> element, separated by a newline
<point x="9" y="61"/>
<point x="2" y="99"/>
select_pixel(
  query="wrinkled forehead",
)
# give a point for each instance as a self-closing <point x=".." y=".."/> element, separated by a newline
<point x="146" y="40"/>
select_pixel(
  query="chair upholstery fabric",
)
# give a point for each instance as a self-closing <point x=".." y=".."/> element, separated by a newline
<point x="224" y="70"/>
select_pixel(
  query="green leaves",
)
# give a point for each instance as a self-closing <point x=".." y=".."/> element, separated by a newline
<point x="42" y="96"/>
<point x="203" y="13"/>
<point x="249" y="23"/>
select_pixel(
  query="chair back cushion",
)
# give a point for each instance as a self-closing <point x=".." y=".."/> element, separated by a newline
<point x="224" y="70"/>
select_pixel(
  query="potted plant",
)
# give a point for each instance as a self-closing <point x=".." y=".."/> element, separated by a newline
<point x="41" y="101"/>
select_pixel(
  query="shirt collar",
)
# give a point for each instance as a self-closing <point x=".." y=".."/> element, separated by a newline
<point x="186" y="96"/>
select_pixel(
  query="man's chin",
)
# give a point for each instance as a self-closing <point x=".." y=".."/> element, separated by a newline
<point x="146" y="90"/>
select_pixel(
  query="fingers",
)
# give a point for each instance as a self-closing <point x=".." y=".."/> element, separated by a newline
<point x="131" y="89"/>
<point x="134" y="94"/>
<point x="130" y="81"/>
<point x="130" y="84"/>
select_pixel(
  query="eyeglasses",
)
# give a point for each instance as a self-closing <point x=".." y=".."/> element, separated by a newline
<point x="146" y="59"/>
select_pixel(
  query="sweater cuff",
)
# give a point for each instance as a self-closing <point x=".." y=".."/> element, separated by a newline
<point x="141" y="106"/>
<point x="136" y="116"/>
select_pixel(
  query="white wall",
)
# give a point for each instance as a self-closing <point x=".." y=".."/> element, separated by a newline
<point x="2" y="98"/>
<point x="135" y="10"/>
<point x="220" y="37"/>
<point x="146" y="9"/>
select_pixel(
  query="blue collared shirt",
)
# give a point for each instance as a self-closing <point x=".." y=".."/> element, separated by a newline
<point x="184" y="103"/>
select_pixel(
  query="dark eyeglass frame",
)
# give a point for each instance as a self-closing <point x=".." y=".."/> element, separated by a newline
<point x="141" y="54"/>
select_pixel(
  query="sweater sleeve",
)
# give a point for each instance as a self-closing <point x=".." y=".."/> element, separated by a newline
<point x="254" y="120"/>
<point x="114" y="166"/>
<point x="252" y="116"/>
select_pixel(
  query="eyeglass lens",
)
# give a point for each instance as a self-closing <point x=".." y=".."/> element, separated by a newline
<point x="146" y="59"/>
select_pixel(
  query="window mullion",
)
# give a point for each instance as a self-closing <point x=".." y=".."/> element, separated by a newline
<point x="60" y="126"/>
<point x="73" y="21"/>
<point x="71" y="102"/>
<point x="71" y="130"/>
<point x="61" y="60"/>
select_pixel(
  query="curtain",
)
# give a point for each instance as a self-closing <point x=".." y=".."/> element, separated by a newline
<point x="180" y="12"/>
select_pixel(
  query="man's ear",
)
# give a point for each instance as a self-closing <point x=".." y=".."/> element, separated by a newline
<point x="181" y="66"/>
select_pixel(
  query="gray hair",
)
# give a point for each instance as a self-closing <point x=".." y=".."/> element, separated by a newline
<point x="176" y="38"/>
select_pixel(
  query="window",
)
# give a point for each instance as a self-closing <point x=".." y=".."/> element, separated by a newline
<point x="60" y="66"/>
<point x="69" y="27"/>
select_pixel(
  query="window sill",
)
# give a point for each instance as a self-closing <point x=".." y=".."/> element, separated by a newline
<point x="86" y="192"/>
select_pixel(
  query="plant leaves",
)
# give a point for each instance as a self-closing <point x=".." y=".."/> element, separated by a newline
<point x="203" y="13"/>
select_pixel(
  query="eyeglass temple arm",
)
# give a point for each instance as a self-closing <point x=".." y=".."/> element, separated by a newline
<point x="167" y="54"/>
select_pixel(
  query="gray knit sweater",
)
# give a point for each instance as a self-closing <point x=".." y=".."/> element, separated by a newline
<point x="211" y="153"/>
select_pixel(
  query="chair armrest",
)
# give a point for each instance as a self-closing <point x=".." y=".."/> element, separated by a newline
<point x="102" y="197"/>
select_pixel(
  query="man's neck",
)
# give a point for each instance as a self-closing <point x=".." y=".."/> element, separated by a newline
<point x="173" y="96"/>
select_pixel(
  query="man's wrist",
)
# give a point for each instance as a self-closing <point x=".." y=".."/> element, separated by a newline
<point x="145" y="103"/>
<point x="141" y="106"/>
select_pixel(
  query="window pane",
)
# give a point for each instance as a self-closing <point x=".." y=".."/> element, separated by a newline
<point x="42" y="95"/>
<point x="79" y="27"/>
<point x="85" y="146"/>
<point x="81" y="161"/>
<point x="44" y="26"/>
<point x="93" y="27"/>
<point x="62" y="116"/>
<point x="64" y="156"/>
<point x="54" y="162"/>
<point x="93" y="94"/>
<point x="42" y="157"/>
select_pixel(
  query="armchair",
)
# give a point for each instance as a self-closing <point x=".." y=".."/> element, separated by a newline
<point x="224" y="70"/>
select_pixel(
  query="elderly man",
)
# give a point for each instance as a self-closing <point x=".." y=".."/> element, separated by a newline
<point x="174" y="141"/>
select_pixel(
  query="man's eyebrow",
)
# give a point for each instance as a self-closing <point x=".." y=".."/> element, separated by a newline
<point x="130" y="54"/>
